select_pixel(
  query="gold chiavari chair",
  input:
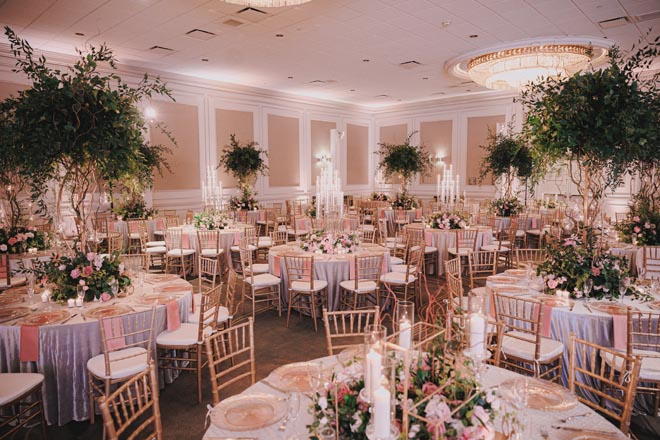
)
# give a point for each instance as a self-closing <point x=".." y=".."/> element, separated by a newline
<point x="416" y="234"/>
<point x="521" y="346"/>
<point x="465" y="241"/>
<point x="457" y="298"/>
<point x="115" y="242"/>
<point x="127" y="342"/>
<point x="534" y="235"/>
<point x="590" y="375"/>
<point x="347" y="328"/>
<point x="5" y="272"/>
<point x="230" y="354"/>
<point x="21" y="403"/>
<point x="155" y="250"/>
<point x="259" y="287"/>
<point x="279" y="237"/>
<point x="183" y="349"/>
<point x="134" y="237"/>
<point x="305" y="292"/>
<point x="651" y="262"/>
<point x="481" y="265"/>
<point x="139" y="262"/>
<point x="133" y="408"/>
<point x="364" y="287"/>
<point x="530" y="257"/>
<point x="178" y="257"/>
<point x="172" y="221"/>
<point x="406" y="285"/>
<point x="210" y="258"/>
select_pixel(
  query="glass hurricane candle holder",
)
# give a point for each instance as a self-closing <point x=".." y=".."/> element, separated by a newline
<point x="405" y="320"/>
<point x="374" y="340"/>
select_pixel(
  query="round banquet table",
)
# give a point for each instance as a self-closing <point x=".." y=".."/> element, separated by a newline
<point x="228" y="238"/>
<point x="535" y="420"/>
<point x="64" y="350"/>
<point x="631" y="252"/>
<point x="582" y="319"/>
<point x="329" y="267"/>
<point x="389" y="214"/>
<point x="121" y="226"/>
<point x="442" y="239"/>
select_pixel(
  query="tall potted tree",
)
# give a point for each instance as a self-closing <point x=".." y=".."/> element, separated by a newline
<point x="76" y="131"/>
<point x="245" y="163"/>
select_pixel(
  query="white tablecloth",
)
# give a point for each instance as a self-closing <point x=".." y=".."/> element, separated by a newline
<point x="443" y="239"/>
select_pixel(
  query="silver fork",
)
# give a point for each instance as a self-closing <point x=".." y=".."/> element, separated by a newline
<point x="569" y="418"/>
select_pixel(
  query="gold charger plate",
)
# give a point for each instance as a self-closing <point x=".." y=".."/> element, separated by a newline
<point x="162" y="278"/>
<point x="107" y="311"/>
<point x="9" y="313"/>
<point x="351" y="354"/>
<point x="248" y="412"/>
<point x="151" y="298"/>
<point x="541" y="394"/>
<point x="585" y="434"/>
<point x="173" y="288"/>
<point x="655" y="305"/>
<point x="518" y="273"/>
<point x="291" y="378"/>
<point x="10" y="299"/>
<point x="555" y="301"/>
<point x="610" y="308"/>
<point x="512" y="289"/>
<point x="45" y="318"/>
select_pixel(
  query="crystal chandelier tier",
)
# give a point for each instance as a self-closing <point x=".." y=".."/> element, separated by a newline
<point x="212" y="191"/>
<point x="267" y="3"/>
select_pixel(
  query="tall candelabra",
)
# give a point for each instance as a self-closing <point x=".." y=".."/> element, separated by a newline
<point x="212" y="191"/>
<point x="329" y="195"/>
<point x="447" y="189"/>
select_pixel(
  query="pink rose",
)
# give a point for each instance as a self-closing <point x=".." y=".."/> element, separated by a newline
<point x="105" y="296"/>
<point x="87" y="271"/>
<point x="82" y="282"/>
<point x="429" y="388"/>
<point x="637" y="229"/>
<point x="90" y="256"/>
<point x="75" y="273"/>
<point x="3" y="248"/>
<point x="595" y="271"/>
<point x="12" y="241"/>
<point x="552" y="284"/>
<point x="636" y="218"/>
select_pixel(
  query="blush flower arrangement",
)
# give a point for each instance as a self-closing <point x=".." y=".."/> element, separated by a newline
<point x="209" y="221"/>
<point x="19" y="239"/>
<point x="446" y="220"/>
<point x="448" y="401"/>
<point x="329" y="243"/>
<point x="571" y="262"/>
<point x="506" y="207"/>
<point x="96" y="273"/>
<point x="641" y="230"/>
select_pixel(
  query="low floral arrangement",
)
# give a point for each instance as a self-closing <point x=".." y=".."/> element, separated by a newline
<point x="245" y="200"/>
<point x="446" y="220"/>
<point x="94" y="272"/>
<point x="310" y="211"/>
<point x="640" y="229"/>
<point x="404" y="201"/>
<point x="546" y="203"/>
<point x="504" y="207"/>
<point x="20" y="239"/>
<point x="134" y="208"/>
<point x="455" y="407"/>
<point x="329" y="243"/>
<point x="571" y="262"/>
<point x="210" y="220"/>
<point x="378" y="197"/>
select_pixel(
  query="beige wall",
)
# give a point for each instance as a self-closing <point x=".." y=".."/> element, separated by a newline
<point x="320" y="143"/>
<point x="357" y="155"/>
<point x="228" y="122"/>
<point x="283" y="151"/>
<point x="393" y="134"/>
<point x="8" y="88"/>
<point x="477" y="136"/>
<point x="183" y="121"/>
<point x="436" y="136"/>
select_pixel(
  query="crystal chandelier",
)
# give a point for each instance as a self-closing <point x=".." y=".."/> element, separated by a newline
<point x="212" y="191"/>
<point x="511" y="66"/>
<point x="267" y="3"/>
<point x="329" y="195"/>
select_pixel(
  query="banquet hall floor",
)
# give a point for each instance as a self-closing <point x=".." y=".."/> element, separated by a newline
<point x="182" y="417"/>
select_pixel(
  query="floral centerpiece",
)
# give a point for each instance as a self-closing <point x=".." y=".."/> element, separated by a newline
<point x="506" y="207"/>
<point x="638" y="230"/>
<point x="210" y="220"/>
<point x="445" y="220"/>
<point x="404" y="201"/>
<point x="94" y="272"/>
<point x="330" y="243"/>
<point x="245" y="200"/>
<point x="378" y="197"/>
<point x="442" y="386"/>
<point x="20" y="239"/>
<point x="134" y="208"/>
<point x="571" y="262"/>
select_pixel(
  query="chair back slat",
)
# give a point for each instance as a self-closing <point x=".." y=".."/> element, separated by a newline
<point x="347" y="328"/>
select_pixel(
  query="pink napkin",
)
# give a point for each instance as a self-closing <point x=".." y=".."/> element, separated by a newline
<point x="301" y="224"/>
<point x="546" y="323"/>
<point x="620" y="331"/>
<point x="160" y="224"/>
<point x="347" y="224"/>
<point x="306" y="271"/>
<point x="382" y="213"/>
<point x="237" y="238"/>
<point x="351" y="267"/>
<point x="29" y="349"/>
<point x="185" y="241"/>
<point x="262" y="216"/>
<point x="133" y="227"/>
<point x="534" y="222"/>
<point x="114" y="333"/>
<point x="173" y="319"/>
<point x="383" y="267"/>
<point x="112" y="226"/>
<point x="276" y="265"/>
<point x="428" y="238"/>
<point x="418" y="213"/>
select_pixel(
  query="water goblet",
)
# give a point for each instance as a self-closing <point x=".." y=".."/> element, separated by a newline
<point x="623" y="287"/>
<point x="641" y="273"/>
<point x="80" y="291"/>
<point x="314" y="376"/>
<point x="114" y="287"/>
<point x="30" y="287"/>
<point x="588" y="285"/>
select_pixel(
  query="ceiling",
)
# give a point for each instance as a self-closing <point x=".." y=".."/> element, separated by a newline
<point x="342" y="50"/>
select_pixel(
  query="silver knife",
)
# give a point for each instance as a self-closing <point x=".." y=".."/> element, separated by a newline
<point x="606" y="434"/>
<point x="69" y="318"/>
<point x="588" y="308"/>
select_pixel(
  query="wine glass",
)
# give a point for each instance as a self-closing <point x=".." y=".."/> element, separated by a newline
<point x="623" y="286"/>
<point x="293" y="400"/>
<point x="114" y="287"/>
<point x="80" y="291"/>
<point x="641" y="273"/>
<point x="588" y="285"/>
<point x="314" y="376"/>
<point x="30" y="287"/>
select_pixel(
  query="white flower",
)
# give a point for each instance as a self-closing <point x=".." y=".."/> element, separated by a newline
<point x="358" y="422"/>
<point x="414" y="429"/>
<point x="323" y="403"/>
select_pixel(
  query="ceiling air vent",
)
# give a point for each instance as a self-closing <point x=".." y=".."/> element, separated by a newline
<point x="317" y="81"/>
<point x="646" y="17"/>
<point x="410" y="64"/>
<point x="161" y="50"/>
<point x="233" y="23"/>
<point x="383" y="96"/>
<point x="200" y="34"/>
<point x="613" y="22"/>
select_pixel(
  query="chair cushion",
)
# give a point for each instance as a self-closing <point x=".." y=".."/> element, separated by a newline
<point x="463" y="251"/>
<point x="155" y="243"/>
<point x="258" y="268"/>
<point x="534" y="231"/>
<point x="650" y="364"/>
<point x="136" y="363"/>
<point x="397" y="278"/>
<point x="251" y="247"/>
<point x="134" y="235"/>
<point x="223" y="315"/>
<point x="396" y="260"/>
<point x="402" y="268"/>
<point x="14" y="385"/>
<point x="494" y="247"/>
<point x="212" y="252"/>
<point x="184" y="336"/>
<point x="430" y="249"/>
<point x="303" y="286"/>
<point x="263" y="280"/>
<point x="363" y="286"/>
<point x="525" y="350"/>
<point x="180" y="252"/>
<point x="265" y="242"/>
<point x="159" y="232"/>
<point x="156" y="250"/>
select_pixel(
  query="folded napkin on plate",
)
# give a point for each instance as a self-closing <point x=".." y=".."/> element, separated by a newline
<point x="173" y="318"/>
<point x="29" y="348"/>
<point x="620" y="328"/>
<point x="114" y="333"/>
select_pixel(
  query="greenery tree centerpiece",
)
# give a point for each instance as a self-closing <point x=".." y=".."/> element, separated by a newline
<point x="245" y="163"/>
<point x="76" y="131"/>
<point x="404" y="161"/>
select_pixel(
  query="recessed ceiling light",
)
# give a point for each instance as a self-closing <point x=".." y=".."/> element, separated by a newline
<point x="468" y="90"/>
<point x="445" y="23"/>
<point x="80" y="34"/>
<point x="279" y="35"/>
<point x="352" y="90"/>
<point x="206" y="60"/>
<point x="425" y="77"/>
<point x="366" y="60"/>
<point x="290" y="77"/>
<point x="474" y="36"/>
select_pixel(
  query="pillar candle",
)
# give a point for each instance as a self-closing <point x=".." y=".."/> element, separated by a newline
<point x="477" y="334"/>
<point x="382" y="413"/>
<point x="405" y="334"/>
<point x="372" y="372"/>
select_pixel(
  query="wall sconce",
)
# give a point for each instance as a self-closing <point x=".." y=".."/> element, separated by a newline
<point x="150" y="114"/>
<point x="323" y="158"/>
<point x="439" y="159"/>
